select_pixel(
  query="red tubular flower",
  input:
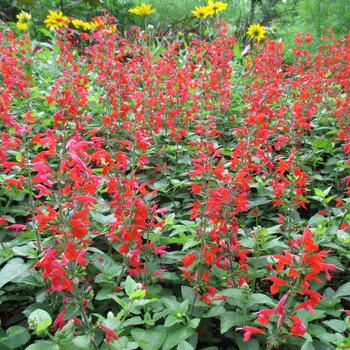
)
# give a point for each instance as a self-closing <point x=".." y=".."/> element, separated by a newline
<point x="277" y="283"/>
<point x="189" y="259"/>
<point x="73" y="255"/>
<point x="283" y="260"/>
<point x="298" y="328"/>
<point x="264" y="316"/>
<point x="308" y="243"/>
<point x="110" y="334"/>
<point x="123" y="249"/>
<point x="310" y="303"/>
<point x="59" y="321"/>
<point x="249" y="331"/>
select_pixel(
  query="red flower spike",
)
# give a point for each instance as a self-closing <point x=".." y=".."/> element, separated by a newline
<point x="189" y="259"/>
<point x="308" y="243"/>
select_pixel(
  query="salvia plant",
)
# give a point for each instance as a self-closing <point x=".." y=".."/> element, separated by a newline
<point x="173" y="196"/>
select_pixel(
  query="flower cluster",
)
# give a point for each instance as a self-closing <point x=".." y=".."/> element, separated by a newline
<point x="212" y="8"/>
<point x="56" y="20"/>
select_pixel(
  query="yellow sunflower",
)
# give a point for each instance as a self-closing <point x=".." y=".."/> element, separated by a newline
<point x="142" y="10"/>
<point x="256" y="31"/>
<point x="24" y="17"/>
<point x="215" y="7"/>
<point x="79" y="24"/>
<point x="22" y="26"/>
<point x="55" y="20"/>
<point x="201" y="12"/>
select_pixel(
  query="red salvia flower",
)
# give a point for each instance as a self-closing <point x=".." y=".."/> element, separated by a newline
<point x="110" y="334"/>
<point x="298" y="328"/>
<point x="249" y="331"/>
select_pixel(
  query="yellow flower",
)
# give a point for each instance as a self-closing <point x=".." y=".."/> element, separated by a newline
<point x="22" y="26"/>
<point x="142" y="10"/>
<point x="201" y="11"/>
<point x="55" y="20"/>
<point x="78" y="23"/>
<point x="113" y="28"/>
<point x="96" y="24"/>
<point x="24" y="17"/>
<point x="216" y="6"/>
<point x="256" y="31"/>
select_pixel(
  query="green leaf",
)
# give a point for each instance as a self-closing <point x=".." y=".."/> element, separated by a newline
<point x="25" y="250"/>
<point x="13" y="269"/>
<point x="43" y="345"/>
<point x="323" y="143"/>
<point x="129" y="286"/>
<point x="39" y="320"/>
<point x="188" y="294"/>
<point x="259" y="298"/>
<point x="176" y="335"/>
<point x="252" y="344"/>
<point x="133" y="321"/>
<point x="231" y="293"/>
<point x="124" y="344"/>
<point x="316" y="330"/>
<point x="194" y="322"/>
<point x="344" y="290"/>
<point x="82" y="342"/>
<point x="100" y="218"/>
<point x="237" y="52"/>
<point x="171" y="320"/>
<point x="337" y="325"/>
<point x="215" y="311"/>
<point x="228" y="320"/>
<point x="319" y="193"/>
<point x="138" y="294"/>
<point x="185" y="346"/>
<point x="307" y="346"/>
<point x="104" y="263"/>
<point x="16" y="336"/>
<point x="150" y="339"/>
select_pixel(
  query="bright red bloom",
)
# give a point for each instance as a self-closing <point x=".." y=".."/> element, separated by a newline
<point x="264" y="316"/>
<point x="189" y="259"/>
<point x="298" y="328"/>
<point x="73" y="255"/>
<point x="311" y="302"/>
<point x="59" y="321"/>
<point x="249" y="331"/>
<point x="110" y="334"/>
<point x="123" y="249"/>
<point x="308" y="243"/>
<point x="277" y="283"/>
<point x="283" y="260"/>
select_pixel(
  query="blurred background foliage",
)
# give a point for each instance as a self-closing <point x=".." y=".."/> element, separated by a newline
<point x="283" y="18"/>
